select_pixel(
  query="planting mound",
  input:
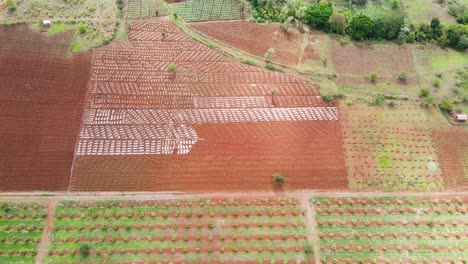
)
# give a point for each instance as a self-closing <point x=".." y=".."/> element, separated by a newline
<point x="210" y="124"/>
<point x="41" y="103"/>
<point x="255" y="39"/>
<point x="452" y="148"/>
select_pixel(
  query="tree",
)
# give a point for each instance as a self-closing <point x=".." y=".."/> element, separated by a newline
<point x="120" y="4"/>
<point x="268" y="54"/>
<point x="403" y="76"/>
<point x="82" y="28"/>
<point x="172" y="67"/>
<point x="318" y="14"/>
<point x="446" y="105"/>
<point x="84" y="250"/>
<point x="278" y="178"/>
<point x="455" y="33"/>
<point x="338" y="23"/>
<point x="361" y="27"/>
<point x="11" y="4"/>
<point x="373" y="76"/>
<point x="287" y="24"/>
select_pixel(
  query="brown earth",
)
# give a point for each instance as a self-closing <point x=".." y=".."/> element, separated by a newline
<point x="43" y="89"/>
<point x="132" y="90"/>
<point x="255" y="39"/>
<point x="386" y="61"/>
<point x="229" y="156"/>
<point x="452" y="149"/>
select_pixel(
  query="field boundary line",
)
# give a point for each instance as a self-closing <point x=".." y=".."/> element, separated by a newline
<point x="48" y="227"/>
<point x="311" y="224"/>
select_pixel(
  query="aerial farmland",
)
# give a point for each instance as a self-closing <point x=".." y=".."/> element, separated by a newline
<point x="233" y="131"/>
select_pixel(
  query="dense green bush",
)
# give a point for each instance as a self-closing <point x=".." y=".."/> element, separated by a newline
<point x="361" y="27"/>
<point x="318" y="14"/>
<point x="11" y="4"/>
<point x="446" y="105"/>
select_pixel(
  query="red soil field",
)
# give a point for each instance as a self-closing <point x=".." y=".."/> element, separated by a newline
<point x="386" y="61"/>
<point x="210" y="125"/>
<point x="452" y="149"/>
<point x="255" y="39"/>
<point x="41" y="102"/>
<point x="229" y="156"/>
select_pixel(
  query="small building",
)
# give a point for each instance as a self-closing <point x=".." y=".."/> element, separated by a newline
<point x="462" y="118"/>
<point x="46" y="23"/>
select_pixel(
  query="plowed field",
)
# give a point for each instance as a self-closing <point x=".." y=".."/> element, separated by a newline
<point x="452" y="148"/>
<point x="256" y="39"/>
<point x="212" y="124"/>
<point x="41" y="101"/>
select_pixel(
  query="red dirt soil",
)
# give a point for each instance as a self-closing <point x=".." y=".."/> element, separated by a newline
<point x="452" y="149"/>
<point x="255" y="39"/>
<point x="386" y="61"/>
<point x="231" y="153"/>
<point x="41" y="102"/>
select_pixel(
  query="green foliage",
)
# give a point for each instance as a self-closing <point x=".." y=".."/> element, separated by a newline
<point x="428" y="101"/>
<point x="82" y="28"/>
<point x="361" y="27"/>
<point x="268" y="54"/>
<point x="373" y="76"/>
<point x="436" y="83"/>
<point x="172" y="67"/>
<point x="11" y="4"/>
<point x="338" y="23"/>
<point x="457" y="36"/>
<point x="403" y="75"/>
<point x="318" y="14"/>
<point x="379" y="100"/>
<point x="278" y="178"/>
<point x="84" y="250"/>
<point x="327" y="98"/>
<point x="273" y="68"/>
<point x="120" y="4"/>
<point x="424" y="92"/>
<point x="446" y="104"/>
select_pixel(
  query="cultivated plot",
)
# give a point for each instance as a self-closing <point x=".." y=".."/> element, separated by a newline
<point x="204" y="10"/>
<point x="41" y="103"/>
<point x="192" y="231"/>
<point x="390" y="148"/>
<point x="146" y="127"/>
<point x="452" y="149"/>
<point x="21" y="225"/>
<point x="146" y="8"/>
<point x="392" y="229"/>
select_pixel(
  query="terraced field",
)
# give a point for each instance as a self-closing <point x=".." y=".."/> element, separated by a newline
<point x="146" y="8"/>
<point x="21" y="225"/>
<point x="204" y="10"/>
<point x="215" y="230"/>
<point x="392" y="229"/>
<point x="212" y="124"/>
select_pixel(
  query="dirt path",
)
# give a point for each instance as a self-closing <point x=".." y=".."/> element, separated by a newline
<point x="49" y="225"/>
<point x="312" y="227"/>
<point x="78" y="196"/>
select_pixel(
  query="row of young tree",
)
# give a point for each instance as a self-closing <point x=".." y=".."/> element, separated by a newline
<point x="390" y="25"/>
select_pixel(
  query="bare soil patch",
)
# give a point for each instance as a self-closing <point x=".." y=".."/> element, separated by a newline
<point x="255" y="39"/>
<point x="452" y="148"/>
<point x="43" y="89"/>
<point x="386" y="61"/>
